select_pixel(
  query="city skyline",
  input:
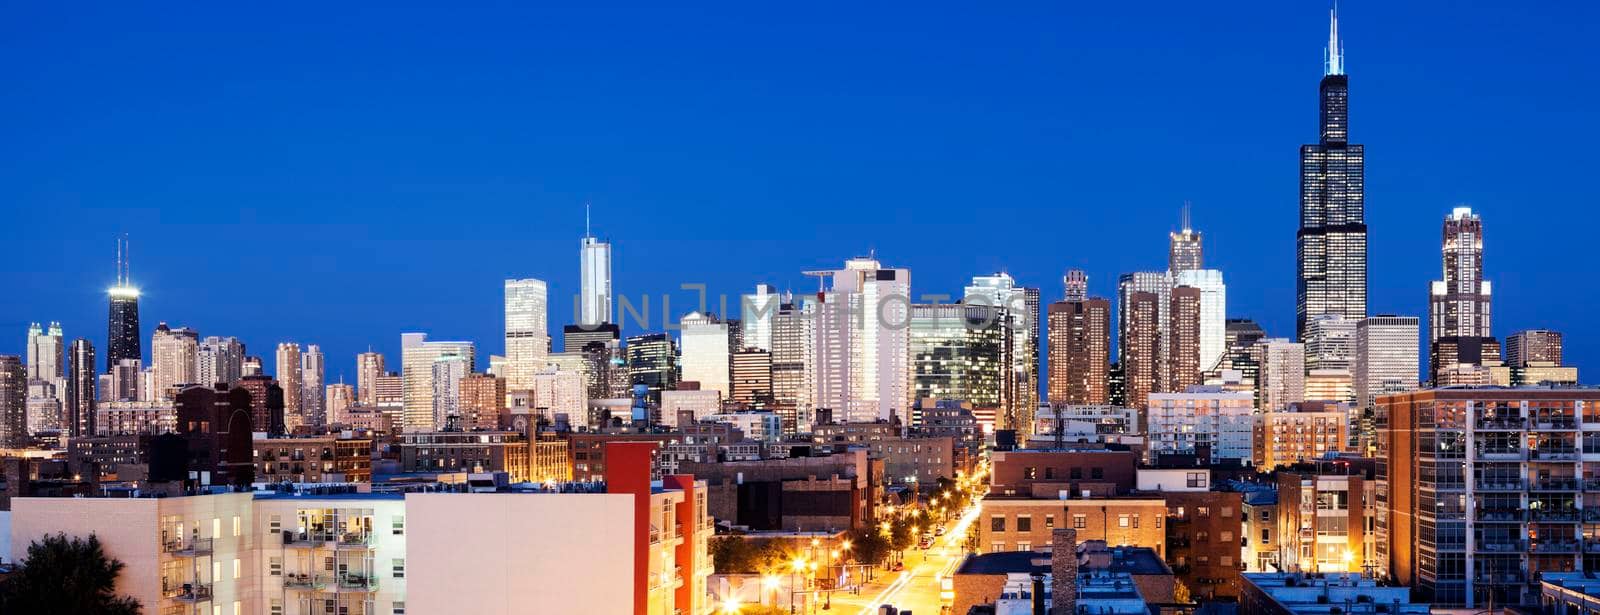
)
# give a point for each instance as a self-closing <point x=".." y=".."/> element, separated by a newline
<point x="1245" y="226"/>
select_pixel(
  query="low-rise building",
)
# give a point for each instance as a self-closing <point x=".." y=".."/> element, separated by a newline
<point x="1050" y="473"/>
<point x="919" y="461"/>
<point x="1204" y="417"/>
<point x="1283" y="593"/>
<point x="466" y="451"/>
<point x="1025" y="524"/>
<point x="331" y="458"/>
<point x="1303" y="432"/>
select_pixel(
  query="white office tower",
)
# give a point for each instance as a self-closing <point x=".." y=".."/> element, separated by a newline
<point x="1283" y="374"/>
<point x="703" y="352"/>
<point x="756" y="312"/>
<point x="527" y="331"/>
<point x="1159" y="283"/>
<point x="369" y="367"/>
<point x="863" y="342"/>
<point x="46" y="353"/>
<point x="1213" y="312"/>
<point x="594" y="262"/>
<point x="561" y="391"/>
<point x="417" y="356"/>
<point x="447" y="372"/>
<point x="220" y="360"/>
<point x="1020" y="391"/>
<point x="1386" y="357"/>
<point x="1330" y="342"/>
<point x="174" y="355"/>
<point x="313" y="370"/>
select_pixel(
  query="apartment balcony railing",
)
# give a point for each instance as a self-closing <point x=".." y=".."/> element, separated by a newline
<point x="1498" y="484"/>
<point x="188" y="548"/>
<point x="1556" y="546"/>
<point x="358" y="582"/>
<point x="1591" y="515"/>
<point x="194" y="592"/>
<point x="1591" y="484"/>
<point x="1502" y="546"/>
<point x="311" y="582"/>
<point x="306" y="540"/>
<point x="355" y="540"/>
<point x="1554" y="454"/>
<point x="1552" y="423"/>
<point x="1555" y="516"/>
<point x="1591" y="546"/>
<point x="1508" y="515"/>
<point x="1555" y="484"/>
<point x="1502" y="423"/>
<point x="1500" y="454"/>
<point x="1499" y="577"/>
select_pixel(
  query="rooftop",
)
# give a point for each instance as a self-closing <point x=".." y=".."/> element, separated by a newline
<point x="1320" y="593"/>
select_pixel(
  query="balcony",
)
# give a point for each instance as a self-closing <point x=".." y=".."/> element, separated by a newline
<point x="1556" y="546"/>
<point x="1501" y="423"/>
<point x="355" y="540"/>
<point x="1486" y="453"/>
<point x="358" y="582"/>
<point x="1498" y="578"/>
<point x="1555" y="484"/>
<point x="1498" y="484"/>
<point x="190" y="548"/>
<point x="1591" y="515"/>
<point x="305" y="582"/>
<point x="1554" y="454"/>
<point x="1591" y="546"/>
<point x="1553" y="423"/>
<point x="1502" y="515"/>
<point x="305" y="540"/>
<point x="1591" y="484"/>
<point x="1502" y="546"/>
<point x="192" y="593"/>
<point x="1555" y="516"/>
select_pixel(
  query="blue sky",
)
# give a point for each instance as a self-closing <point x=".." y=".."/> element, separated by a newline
<point x="338" y="175"/>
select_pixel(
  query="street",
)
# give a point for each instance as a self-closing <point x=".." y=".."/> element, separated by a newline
<point x="917" y="588"/>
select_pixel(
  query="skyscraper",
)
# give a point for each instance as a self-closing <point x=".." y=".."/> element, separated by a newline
<point x="1158" y="283"/>
<point x="792" y="378"/>
<point x="653" y="362"/>
<point x="46" y="353"/>
<point x="756" y="311"/>
<point x="1075" y="285"/>
<point x="313" y="371"/>
<point x="963" y="352"/>
<point x="527" y="331"/>
<point x="1533" y="346"/>
<point x="1213" y="312"/>
<point x="447" y="372"/>
<point x="1022" y="324"/>
<point x="1283" y="374"/>
<point x="81" y="389"/>
<point x="1458" y="305"/>
<point x="1080" y="345"/>
<point x="340" y="397"/>
<point x="862" y="342"/>
<point x="174" y="356"/>
<point x="595" y="268"/>
<point x="1386" y="357"/>
<point x="1141" y="347"/>
<point x="1332" y="240"/>
<point x="13" y="402"/>
<point x="369" y="366"/>
<point x="288" y="376"/>
<point x="221" y="360"/>
<point x="575" y="338"/>
<point x="1183" y="339"/>
<point x="752" y="378"/>
<point x="122" y="327"/>
<point x="1330" y="342"/>
<point x="703" y="352"/>
<point x="417" y="357"/>
<point x="1184" y="251"/>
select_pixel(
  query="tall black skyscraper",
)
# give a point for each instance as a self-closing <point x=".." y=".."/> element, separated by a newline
<point x="1332" y="240"/>
<point x="80" y="389"/>
<point x="122" y="326"/>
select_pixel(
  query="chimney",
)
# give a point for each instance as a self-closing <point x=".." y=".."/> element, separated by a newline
<point x="1064" y="571"/>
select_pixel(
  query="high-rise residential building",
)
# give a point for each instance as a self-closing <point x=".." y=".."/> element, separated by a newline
<point x="653" y="362"/>
<point x="220" y="360"/>
<point x="560" y="391"/>
<point x="448" y="372"/>
<point x="13" y="402"/>
<point x="1332" y="240"/>
<point x="46" y="353"/>
<point x="527" y="331"/>
<point x="289" y="377"/>
<point x="340" y="397"/>
<point x="483" y="400"/>
<point x="251" y="366"/>
<point x="1141" y="346"/>
<point x="313" y="373"/>
<point x="123" y="383"/>
<point x="792" y="377"/>
<point x="863" y="343"/>
<point x="122" y="326"/>
<point x="389" y="395"/>
<point x="1158" y="283"/>
<point x="752" y="378"/>
<point x="756" y="311"/>
<point x="1075" y="285"/>
<point x="1283" y="374"/>
<point x="1213" y="312"/>
<point x="1386" y="357"/>
<point x="594" y="265"/>
<point x="174" y="356"/>
<point x="81" y="395"/>
<point x="703" y="352"/>
<point x="1203" y="417"/>
<point x="575" y="338"/>
<point x="1242" y="356"/>
<point x="1533" y="347"/>
<point x="1184" y="251"/>
<point x="1330" y="341"/>
<point x="1183" y="338"/>
<point x="963" y="352"/>
<point x="417" y="357"/>
<point x="1483" y="490"/>
<point x="1459" y="337"/>
<point x="1116" y="386"/>
<point x="266" y="403"/>
<point x="1080" y="351"/>
<point x="369" y="366"/>
<point x="1022" y="325"/>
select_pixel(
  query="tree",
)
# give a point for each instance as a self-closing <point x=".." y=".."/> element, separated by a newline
<point x="732" y="554"/>
<point x="900" y="534"/>
<point x="869" y="547"/>
<point x="66" y="575"/>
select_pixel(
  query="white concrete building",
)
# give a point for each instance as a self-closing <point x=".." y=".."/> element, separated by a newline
<point x="1387" y="357"/>
<point x="756" y="312"/>
<point x="527" y="331"/>
<point x="702" y="403"/>
<point x="1213" y="312"/>
<point x="1203" y="415"/>
<point x="862" y="357"/>
<point x="1283" y="373"/>
<point x="703" y="352"/>
<point x="417" y="355"/>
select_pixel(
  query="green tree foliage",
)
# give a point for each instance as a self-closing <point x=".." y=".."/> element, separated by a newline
<point x="66" y="575"/>
<point x="868" y="546"/>
<point x="901" y="536"/>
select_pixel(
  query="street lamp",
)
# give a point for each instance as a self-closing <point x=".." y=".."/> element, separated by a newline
<point x="730" y="606"/>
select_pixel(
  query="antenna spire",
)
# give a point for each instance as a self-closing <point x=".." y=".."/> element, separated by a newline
<point x="586" y="232"/>
<point x="1334" y="64"/>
